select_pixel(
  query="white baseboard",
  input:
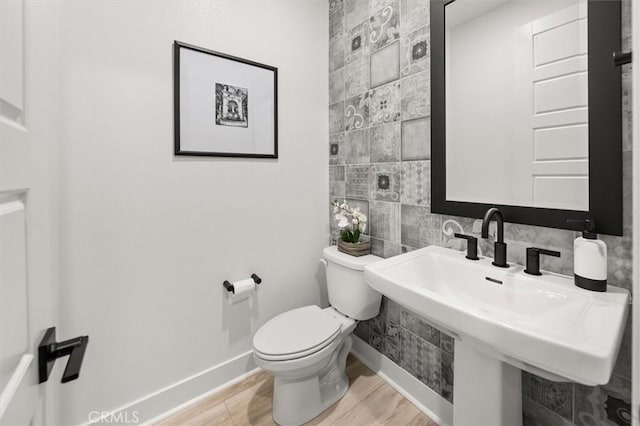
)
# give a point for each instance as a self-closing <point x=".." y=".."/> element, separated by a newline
<point x="173" y="398"/>
<point x="429" y="402"/>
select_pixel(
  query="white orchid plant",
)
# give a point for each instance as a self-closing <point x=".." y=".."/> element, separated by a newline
<point x="351" y="221"/>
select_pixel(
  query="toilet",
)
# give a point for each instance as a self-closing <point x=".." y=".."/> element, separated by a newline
<point x="306" y="348"/>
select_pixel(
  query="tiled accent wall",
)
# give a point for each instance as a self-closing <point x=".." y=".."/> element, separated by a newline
<point x="379" y="91"/>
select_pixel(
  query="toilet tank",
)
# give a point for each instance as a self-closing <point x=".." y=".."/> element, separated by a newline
<point x="348" y="292"/>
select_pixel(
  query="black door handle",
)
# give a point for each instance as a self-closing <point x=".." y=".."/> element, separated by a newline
<point x="49" y="350"/>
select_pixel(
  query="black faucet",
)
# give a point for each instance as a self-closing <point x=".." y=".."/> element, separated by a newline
<point x="499" y="247"/>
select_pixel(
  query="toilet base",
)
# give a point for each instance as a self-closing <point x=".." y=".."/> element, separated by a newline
<point x="298" y="400"/>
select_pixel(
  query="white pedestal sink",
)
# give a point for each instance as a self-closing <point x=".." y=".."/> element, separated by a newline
<point x="505" y="321"/>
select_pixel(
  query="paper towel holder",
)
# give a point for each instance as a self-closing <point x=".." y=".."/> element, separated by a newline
<point x="229" y="286"/>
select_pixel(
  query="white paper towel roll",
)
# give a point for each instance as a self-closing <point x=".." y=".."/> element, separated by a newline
<point x="243" y="290"/>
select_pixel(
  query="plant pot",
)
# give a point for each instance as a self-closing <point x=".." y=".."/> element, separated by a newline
<point x="358" y="249"/>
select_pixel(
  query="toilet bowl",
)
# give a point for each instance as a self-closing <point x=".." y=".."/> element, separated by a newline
<point x="306" y="348"/>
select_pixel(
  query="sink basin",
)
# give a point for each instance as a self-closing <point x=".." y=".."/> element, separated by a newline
<point x="543" y="324"/>
<point x="545" y="321"/>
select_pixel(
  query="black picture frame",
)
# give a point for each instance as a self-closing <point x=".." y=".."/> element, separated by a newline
<point x="178" y="148"/>
<point x="605" y="130"/>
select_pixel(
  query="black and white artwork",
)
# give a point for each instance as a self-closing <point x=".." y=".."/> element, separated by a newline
<point x="213" y="113"/>
<point x="232" y="105"/>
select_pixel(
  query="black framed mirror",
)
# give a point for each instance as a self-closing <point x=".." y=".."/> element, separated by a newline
<point x="526" y="110"/>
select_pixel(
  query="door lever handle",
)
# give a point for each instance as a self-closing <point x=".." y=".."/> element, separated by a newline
<point x="49" y="350"/>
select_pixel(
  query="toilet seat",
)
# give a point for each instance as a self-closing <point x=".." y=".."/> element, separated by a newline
<point x="296" y="333"/>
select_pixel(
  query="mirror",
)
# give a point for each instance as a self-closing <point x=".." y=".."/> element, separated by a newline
<point x="523" y="102"/>
<point x="526" y="110"/>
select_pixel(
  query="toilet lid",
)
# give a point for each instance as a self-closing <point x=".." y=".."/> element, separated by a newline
<point x="296" y="331"/>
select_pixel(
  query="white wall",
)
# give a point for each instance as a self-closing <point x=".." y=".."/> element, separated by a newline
<point x="148" y="238"/>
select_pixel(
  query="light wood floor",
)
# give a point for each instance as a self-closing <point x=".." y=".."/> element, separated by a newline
<point x="369" y="401"/>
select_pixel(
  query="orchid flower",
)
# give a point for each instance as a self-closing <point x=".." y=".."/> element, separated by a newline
<point x="351" y="220"/>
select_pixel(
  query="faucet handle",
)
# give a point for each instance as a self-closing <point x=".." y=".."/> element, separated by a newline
<point x="472" y="245"/>
<point x="533" y="259"/>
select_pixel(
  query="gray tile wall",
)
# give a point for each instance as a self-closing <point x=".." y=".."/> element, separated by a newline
<point x="380" y="160"/>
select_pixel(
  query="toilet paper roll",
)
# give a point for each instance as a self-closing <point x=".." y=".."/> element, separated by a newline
<point x="243" y="290"/>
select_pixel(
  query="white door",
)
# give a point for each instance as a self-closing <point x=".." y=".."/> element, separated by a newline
<point x="28" y="140"/>
<point x="553" y="124"/>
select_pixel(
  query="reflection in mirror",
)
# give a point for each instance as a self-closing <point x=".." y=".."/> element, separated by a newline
<point x="517" y="103"/>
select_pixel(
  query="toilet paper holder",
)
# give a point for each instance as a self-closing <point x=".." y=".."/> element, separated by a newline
<point x="229" y="285"/>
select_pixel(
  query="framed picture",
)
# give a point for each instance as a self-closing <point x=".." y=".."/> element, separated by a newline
<point x="224" y="106"/>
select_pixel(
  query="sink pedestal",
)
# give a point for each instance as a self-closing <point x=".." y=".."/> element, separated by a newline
<point x="486" y="391"/>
